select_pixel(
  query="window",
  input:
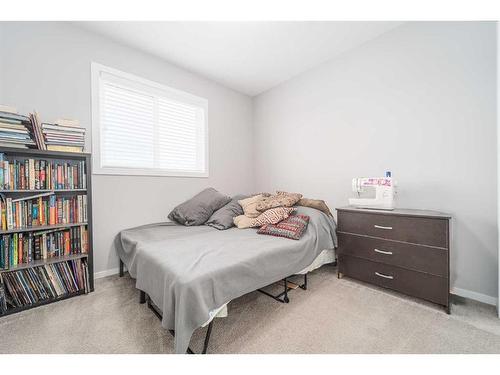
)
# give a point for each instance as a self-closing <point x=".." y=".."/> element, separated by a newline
<point x="140" y="127"/>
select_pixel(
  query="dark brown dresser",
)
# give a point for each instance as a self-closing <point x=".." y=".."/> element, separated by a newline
<point x="404" y="250"/>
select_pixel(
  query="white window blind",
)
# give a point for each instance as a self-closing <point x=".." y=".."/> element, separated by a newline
<point x="147" y="128"/>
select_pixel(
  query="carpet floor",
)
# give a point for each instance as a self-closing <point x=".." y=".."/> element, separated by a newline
<point x="332" y="316"/>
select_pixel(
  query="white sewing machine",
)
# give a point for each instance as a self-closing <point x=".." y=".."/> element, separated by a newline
<point x="381" y="192"/>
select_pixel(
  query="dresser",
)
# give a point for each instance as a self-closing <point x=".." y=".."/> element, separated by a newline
<point x="404" y="250"/>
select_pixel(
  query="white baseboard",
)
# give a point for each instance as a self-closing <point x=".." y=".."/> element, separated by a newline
<point x="475" y="296"/>
<point x="100" y="275"/>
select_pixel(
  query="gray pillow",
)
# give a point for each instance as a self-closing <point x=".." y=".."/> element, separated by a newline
<point x="223" y="217"/>
<point x="197" y="210"/>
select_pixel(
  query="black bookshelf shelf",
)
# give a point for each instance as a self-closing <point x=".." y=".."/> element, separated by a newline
<point x="43" y="262"/>
<point x="41" y="154"/>
<point x="41" y="228"/>
<point x="41" y="303"/>
<point x="56" y="156"/>
<point x="42" y="191"/>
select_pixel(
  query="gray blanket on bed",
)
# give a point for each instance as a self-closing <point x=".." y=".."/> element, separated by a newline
<point x="190" y="271"/>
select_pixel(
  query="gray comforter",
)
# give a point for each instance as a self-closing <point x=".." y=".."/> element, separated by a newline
<point x="190" y="271"/>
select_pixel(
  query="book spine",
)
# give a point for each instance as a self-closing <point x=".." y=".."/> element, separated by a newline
<point x="42" y="174"/>
<point x="37" y="249"/>
<point x="10" y="222"/>
<point x="32" y="174"/>
<point x="26" y="174"/>
<point x="2" y="159"/>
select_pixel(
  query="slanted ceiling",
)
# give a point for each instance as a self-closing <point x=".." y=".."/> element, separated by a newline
<point x="250" y="57"/>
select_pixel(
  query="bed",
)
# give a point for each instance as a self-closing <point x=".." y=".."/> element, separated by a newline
<point x="191" y="273"/>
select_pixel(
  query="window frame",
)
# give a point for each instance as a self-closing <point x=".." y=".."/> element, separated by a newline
<point x="97" y="168"/>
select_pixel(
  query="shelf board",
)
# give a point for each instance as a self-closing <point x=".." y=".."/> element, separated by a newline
<point x="43" y="262"/>
<point x="41" y="303"/>
<point x="41" y="190"/>
<point x="42" y="228"/>
<point x="44" y="153"/>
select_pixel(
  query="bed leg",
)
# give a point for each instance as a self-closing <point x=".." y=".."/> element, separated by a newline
<point x="285" y="298"/>
<point x="142" y="297"/>
<point x="207" y="337"/>
<point x="304" y="286"/>
<point x="121" y="268"/>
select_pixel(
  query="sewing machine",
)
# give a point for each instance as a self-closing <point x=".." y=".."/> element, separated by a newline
<point x="380" y="191"/>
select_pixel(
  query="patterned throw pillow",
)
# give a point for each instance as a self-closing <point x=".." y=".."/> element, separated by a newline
<point x="272" y="216"/>
<point x="293" y="227"/>
<point x="281" y="199"/>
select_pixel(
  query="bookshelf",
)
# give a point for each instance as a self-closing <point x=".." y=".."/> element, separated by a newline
<point x="60" y="260"/>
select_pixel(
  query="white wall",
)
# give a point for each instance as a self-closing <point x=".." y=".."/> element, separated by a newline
<point x="419" y="101"/>
<point x="46" y="66"/>
<point x="498" y="160"/>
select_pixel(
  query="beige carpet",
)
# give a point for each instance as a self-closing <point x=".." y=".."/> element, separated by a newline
<point x="333" y="316"/>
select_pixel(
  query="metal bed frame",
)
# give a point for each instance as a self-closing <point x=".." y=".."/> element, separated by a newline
<point x="281" y="297"/>
<point x="144" y="298"/>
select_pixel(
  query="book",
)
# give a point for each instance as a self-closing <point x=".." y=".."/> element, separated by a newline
<point x="64" y="135"/>
<point x="36" y="130"/>
<point x="64" y="148"/>
<point x="54" y="128"/>
<point x="13" y="145"/>
<point x="8" y="109"/>
<point x="67" y="122"/>
<point x="14" y="130"/>
<point x="33" y="197"/>
<point x="13" y="117"/>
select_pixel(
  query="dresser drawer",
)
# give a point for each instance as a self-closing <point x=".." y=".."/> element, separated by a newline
<point x="423" y="231"/>
<point x="415" y="257"/>
<point x="418" y="284"/>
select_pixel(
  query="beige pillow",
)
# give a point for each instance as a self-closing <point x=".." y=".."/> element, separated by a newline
<point x="249" y="205"/>
<point x="281" y="199"/>
<point x="315" y="203"/>
<point x="243" y="221"/>
<point x="272" y="216"/>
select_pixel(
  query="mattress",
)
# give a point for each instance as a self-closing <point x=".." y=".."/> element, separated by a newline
<point x="191" y="272"/>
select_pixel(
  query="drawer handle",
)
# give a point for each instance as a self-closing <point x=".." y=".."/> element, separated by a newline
<point x="381" y="227"/>
<point x="384" y="276"/>
<point x="383" y="252"/>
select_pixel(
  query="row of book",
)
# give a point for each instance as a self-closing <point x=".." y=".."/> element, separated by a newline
<point x="44" y="209"/>
<point x="15" y="129"/>
<point x="21" y="131"/>
<point x="38" y="284"/>
<point x="25" y="248"/>
<point x="36" y="174"/>
<point x="64" y="135"/>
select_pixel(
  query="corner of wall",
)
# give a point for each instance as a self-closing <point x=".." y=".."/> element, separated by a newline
<point x="253" y="156"/>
